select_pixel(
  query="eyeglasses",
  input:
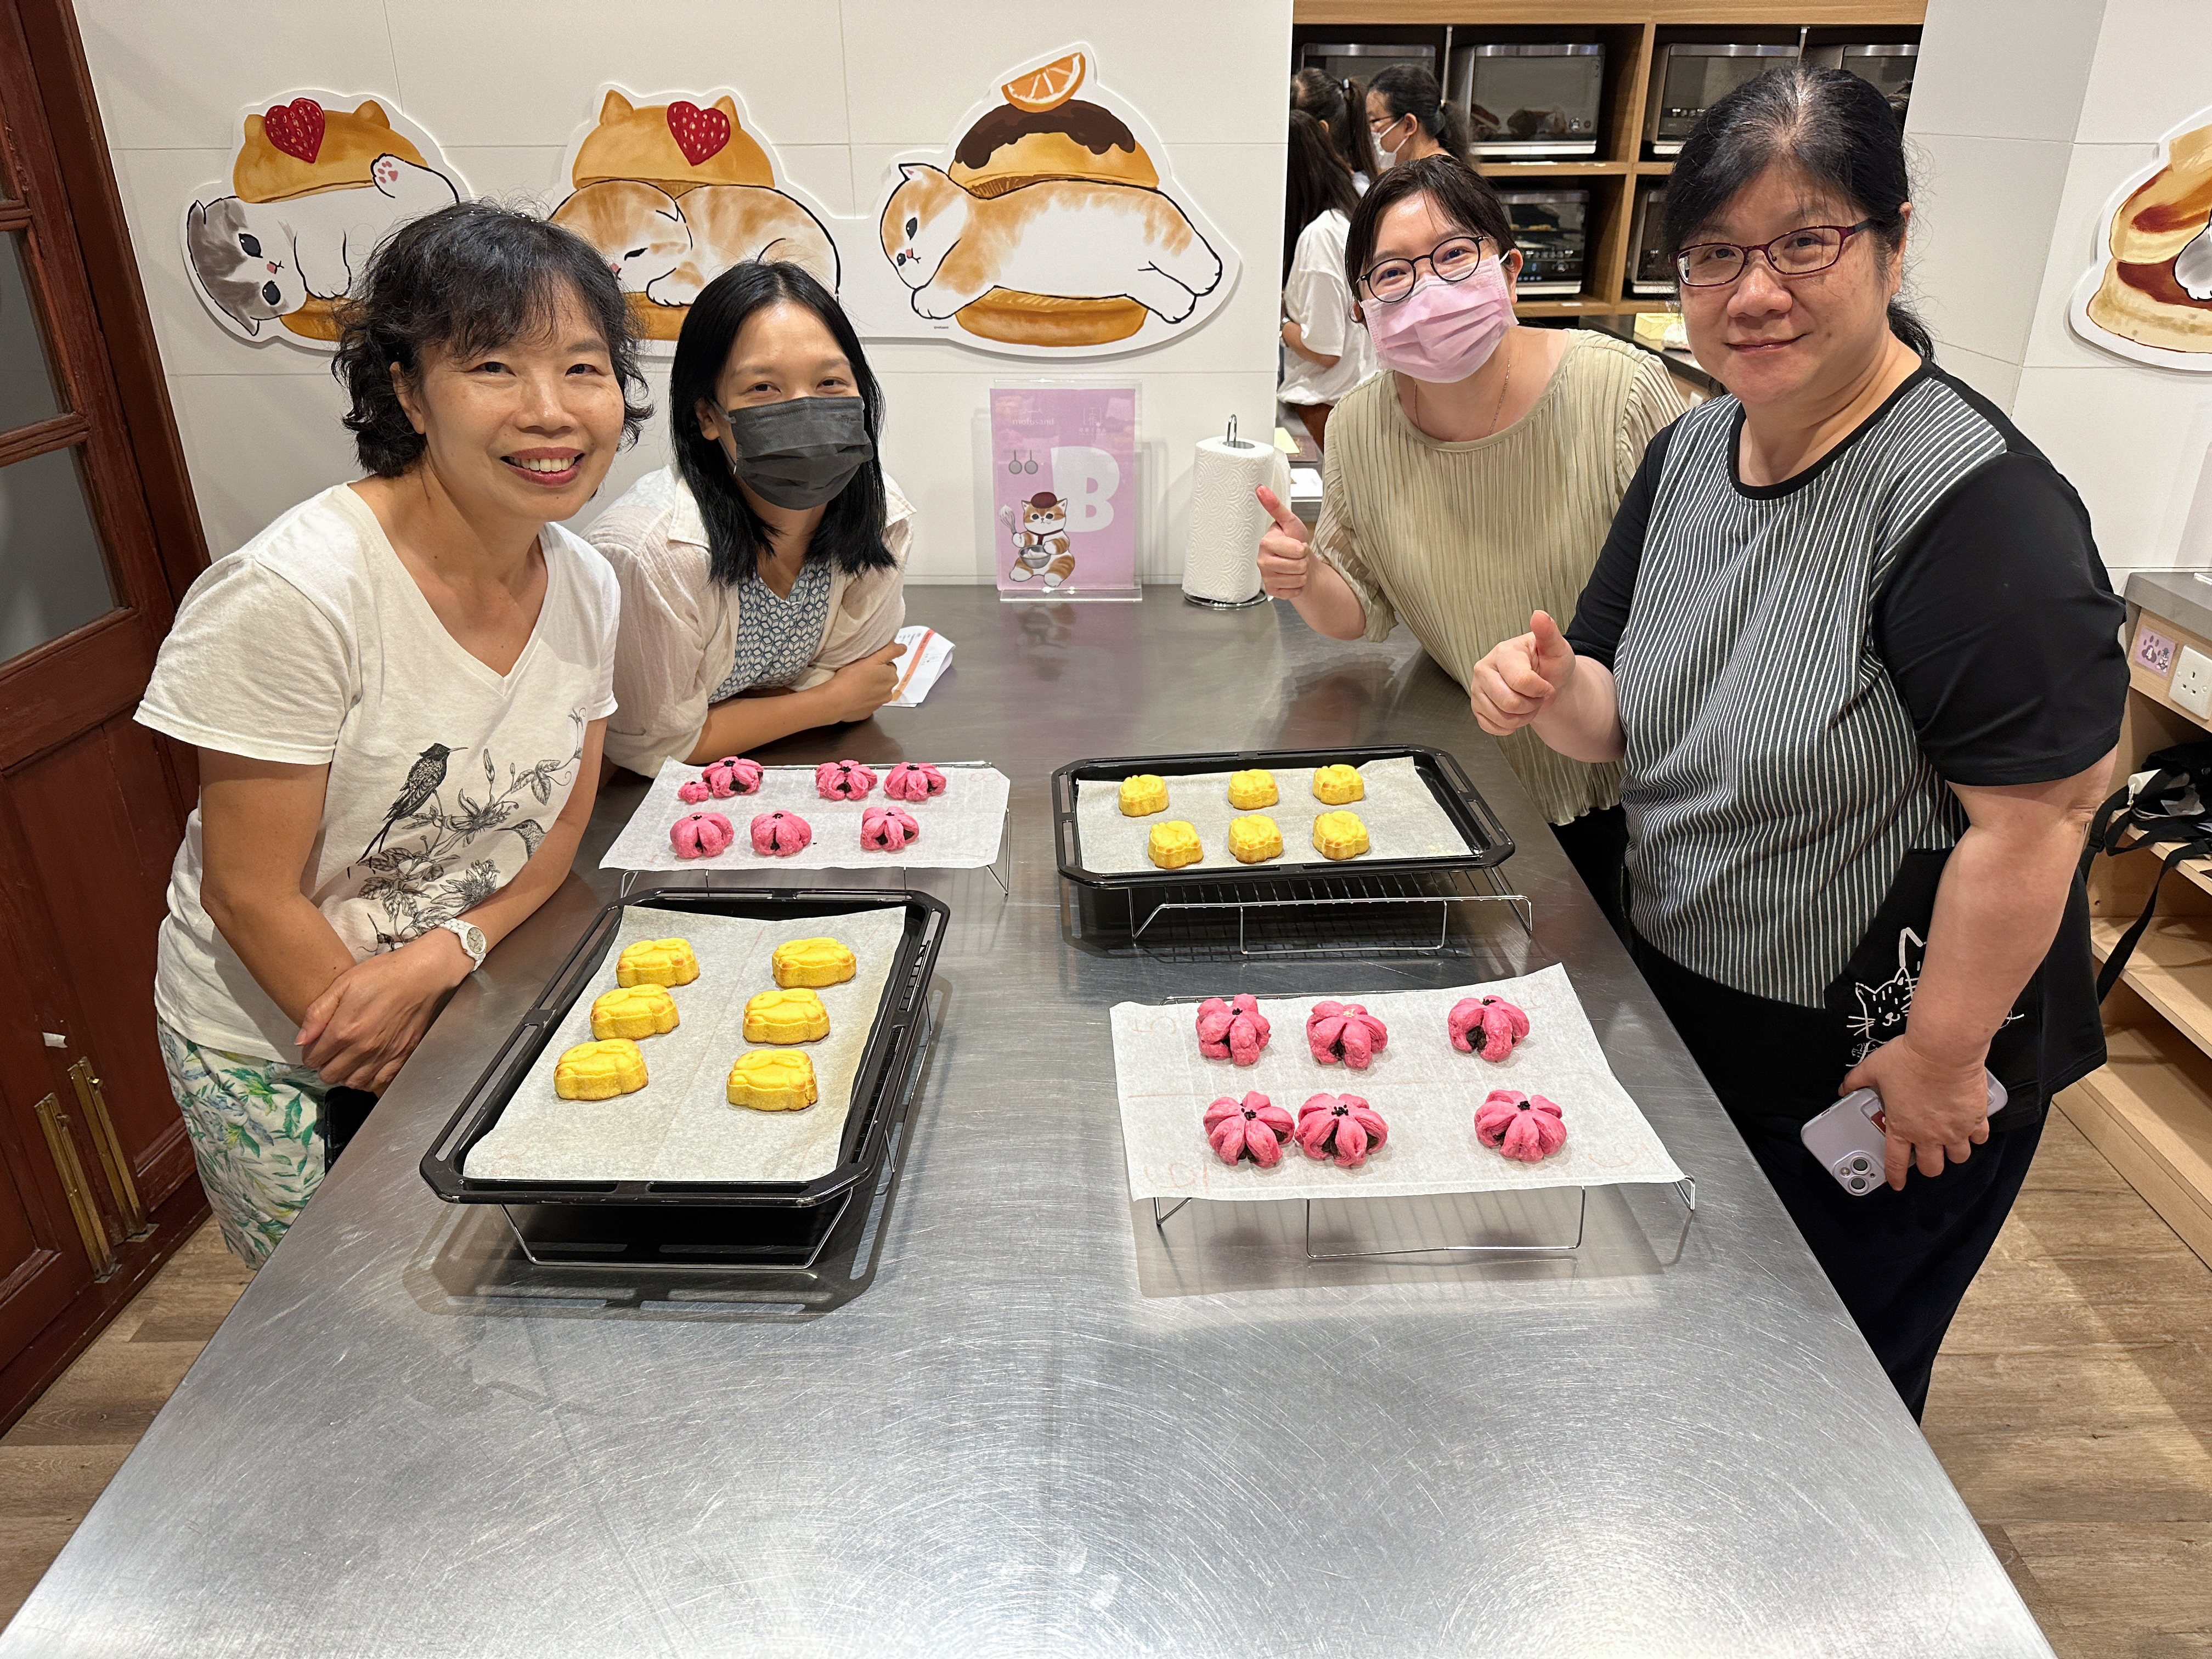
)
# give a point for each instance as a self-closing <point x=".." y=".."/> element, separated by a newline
<point x="1454" y="260"/>
<point x="1794" y="253"/>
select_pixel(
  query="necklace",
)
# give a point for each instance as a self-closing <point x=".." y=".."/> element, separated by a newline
<point x="1496" y="414"/>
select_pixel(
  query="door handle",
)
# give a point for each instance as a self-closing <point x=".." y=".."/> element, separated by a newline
<point x="109" y="1144"/>
<point x="55" y="1121"/>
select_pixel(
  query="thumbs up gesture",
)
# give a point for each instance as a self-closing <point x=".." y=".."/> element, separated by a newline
<point x="1283" y="551"/>
<point x="1518" y="679"/>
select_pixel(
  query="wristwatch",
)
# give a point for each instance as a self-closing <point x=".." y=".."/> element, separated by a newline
<point x="471" y="937"/>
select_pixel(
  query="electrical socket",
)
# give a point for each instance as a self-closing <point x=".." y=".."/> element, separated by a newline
<point x="2191" y="688"/>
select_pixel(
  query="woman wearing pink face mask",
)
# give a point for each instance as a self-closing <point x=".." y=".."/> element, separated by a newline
<point x="1482" y="468"/>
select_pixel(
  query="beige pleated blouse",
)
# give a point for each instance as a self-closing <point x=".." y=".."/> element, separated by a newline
<point x="1462" y="541"/>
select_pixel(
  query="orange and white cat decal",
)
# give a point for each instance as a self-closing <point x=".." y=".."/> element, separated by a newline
<point x="673" y="188"/>
<point x="1053" y="226"/>
<point x="1042" y="547"/>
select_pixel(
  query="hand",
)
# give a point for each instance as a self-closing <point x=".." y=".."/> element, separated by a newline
<point x="1283" y="551"/>
<point x="859" y="689"/>
<point x="360" y="1031"/>
<point x="1931" y="1109"/>
<point x="1518" y="679"/>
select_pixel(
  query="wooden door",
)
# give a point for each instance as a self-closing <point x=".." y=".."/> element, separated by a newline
<point x="92" y="805"/>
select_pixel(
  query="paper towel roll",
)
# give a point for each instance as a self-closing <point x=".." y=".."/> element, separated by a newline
<point x="1221" y="560"/>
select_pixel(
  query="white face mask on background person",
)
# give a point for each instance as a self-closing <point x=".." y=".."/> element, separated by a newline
<point x="1385" y="157"/>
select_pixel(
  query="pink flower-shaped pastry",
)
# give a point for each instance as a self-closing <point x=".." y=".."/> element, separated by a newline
<point x="909" y="782"/>
<point x="1489" y="1026"/>
<point x="887" y="829"/>
<point x="1525" y="1127"/>
<point x="693" y="793"/>
<point x="732" y="774"/>
<point x="1341" y="1126"/>
<point x="779" y="835"/>
<point x="1234" y="1031"/>
<point x="1254" y="1127"/>
<point x="701" y="834"/>
<point x="1344" y="1031"/>
<point x="843" y="779"/>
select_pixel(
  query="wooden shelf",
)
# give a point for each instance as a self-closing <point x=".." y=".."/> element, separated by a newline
<point x="2149" y="1110"/>
<point x="2170" y="968"/>
<point x="1577" y="169"/>
<point x="1884" y="14"/>
<point x="1586" y="305"/>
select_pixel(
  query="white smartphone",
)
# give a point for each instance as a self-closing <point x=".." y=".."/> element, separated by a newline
<point x="1848" y="1137"/>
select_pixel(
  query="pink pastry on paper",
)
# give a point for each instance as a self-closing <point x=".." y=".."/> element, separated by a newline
<point x="887" y="829"/>
<point x="1344" y="1031"/>
<point x="1236" y="1030"/>
<point x="693" y="793"/>
<point x="779" y="835"/>
<point x="701" y="834"/>
<point x="1524" y="1126"/>
<point x="1340" y="1127"/>
<point x="842" y="779"/>
<point x="1254" y="1127"/>
<point x="910" y="781"/>
<point x="1489" y="1026"/>
<point x="732" y="774"/>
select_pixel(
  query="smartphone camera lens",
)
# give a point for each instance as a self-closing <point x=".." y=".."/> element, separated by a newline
<point x="1860" y="1166"/>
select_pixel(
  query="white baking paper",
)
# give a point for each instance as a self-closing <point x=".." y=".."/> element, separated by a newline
<point x="960" y="830"/>
<point x="1426" y="1090"/>
<point x="1403" y="819"/>
<point x="681" y="1126"/>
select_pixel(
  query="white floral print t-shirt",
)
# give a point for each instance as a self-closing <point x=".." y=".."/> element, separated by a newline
<point x="312" y="645"/>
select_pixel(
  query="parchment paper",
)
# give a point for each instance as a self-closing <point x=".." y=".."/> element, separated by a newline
<point x="959" y="828"/>
<point x="1426" y="1090"/>
<point x="681" y="1126"/>
<point x="1403" y="820"/>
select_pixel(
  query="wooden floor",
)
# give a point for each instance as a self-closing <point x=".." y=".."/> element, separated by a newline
<point x="2072" y="1405"/>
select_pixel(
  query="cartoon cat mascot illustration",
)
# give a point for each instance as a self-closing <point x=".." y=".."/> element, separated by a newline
<point x="316" y="190"/>
<point x="1048" y="227"/>
<point x="673" y="195"/>
<point x="1041" y="545"/>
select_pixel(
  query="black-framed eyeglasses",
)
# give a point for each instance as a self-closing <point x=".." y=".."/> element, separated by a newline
<point x="1797" y="253"/>
<point x="1454" y="260"/>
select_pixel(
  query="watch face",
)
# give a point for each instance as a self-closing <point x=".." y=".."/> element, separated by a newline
<point x="474" y="939"/>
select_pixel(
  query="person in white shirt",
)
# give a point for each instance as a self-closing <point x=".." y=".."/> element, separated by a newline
<point x="762" y="574"/>
<point x="1325" y="353"/>
<point x="398" y="692"/>
<point x="1340" y="107"/>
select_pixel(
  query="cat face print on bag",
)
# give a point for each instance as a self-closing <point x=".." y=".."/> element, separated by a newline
<point x="313" y="189"/>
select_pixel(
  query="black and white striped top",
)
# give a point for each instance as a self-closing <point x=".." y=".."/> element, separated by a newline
<point x="1805" y="667"/>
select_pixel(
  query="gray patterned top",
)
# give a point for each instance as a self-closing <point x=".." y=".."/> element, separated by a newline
<point x="777" y="637"/>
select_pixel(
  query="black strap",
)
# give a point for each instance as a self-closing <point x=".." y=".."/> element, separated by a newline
<point x="2125" y="947"/>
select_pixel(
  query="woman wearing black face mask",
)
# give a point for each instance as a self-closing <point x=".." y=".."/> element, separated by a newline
<point x="761" y="575"/>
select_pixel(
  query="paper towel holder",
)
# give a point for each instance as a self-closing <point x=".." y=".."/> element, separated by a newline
<point x="1231" y="440"/>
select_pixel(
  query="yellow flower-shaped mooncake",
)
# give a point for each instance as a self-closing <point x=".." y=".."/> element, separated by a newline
<point x="1173" y="844"/>
<point x="785" y="1017"/>
<point x="1144" y="794"/>
<point x="1339" y="835"/>
<point x="772" y="1080"/>
<point x="1337" y="784"/>
<point x="1252" y="840"/>
<point x="1249" y="789"/>
<point x="600" y="1071"/>
<point x="657" y="962"/>
<point x="812" y="962"/>
<point x="633" y="1011"/>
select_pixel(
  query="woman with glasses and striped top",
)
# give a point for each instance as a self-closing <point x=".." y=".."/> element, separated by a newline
<point x="1852" y="644"/>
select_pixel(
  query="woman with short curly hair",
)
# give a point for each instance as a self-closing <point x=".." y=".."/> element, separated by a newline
<point x="398" y="691"/>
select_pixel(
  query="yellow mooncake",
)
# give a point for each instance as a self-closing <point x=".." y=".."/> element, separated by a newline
<point x="1337" y="784"/>
<point x="600" y="1071"/>
<point x="812" y="962"/>
<point x="772" y="1080"/>
<point x="1173" y="844"/>
<point x="1249" y="789"/>
<point x="785" y="1017"/>
<point x="1339" y="835"/>
<point x="1143" y="795"/>
<point x="1254" y="840"/>
<point x="657" y="962"/>
<point x="633" y="1011"/>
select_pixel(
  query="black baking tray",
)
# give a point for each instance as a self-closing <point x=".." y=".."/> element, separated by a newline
<point x="649" y="1206"/>
<point x="1488" y="844"/>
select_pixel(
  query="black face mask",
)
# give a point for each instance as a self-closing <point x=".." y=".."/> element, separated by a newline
<point x="799" y="452"/>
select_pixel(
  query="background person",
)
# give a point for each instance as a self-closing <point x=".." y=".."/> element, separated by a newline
<point x="1341" y="106"/>
<point x="1409" y="120"/>
<point x="1325" y="353"/>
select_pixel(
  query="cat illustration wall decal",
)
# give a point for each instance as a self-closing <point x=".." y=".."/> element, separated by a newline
<point x="315" y="185"/>
<point x="1052" y="227"/>
<point x="673" y="191"/>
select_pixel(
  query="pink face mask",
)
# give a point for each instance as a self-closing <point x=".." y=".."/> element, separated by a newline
<point x="1443" y="331"/>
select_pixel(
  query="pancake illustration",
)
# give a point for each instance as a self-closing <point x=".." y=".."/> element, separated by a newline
<point x="2156" y="286"/>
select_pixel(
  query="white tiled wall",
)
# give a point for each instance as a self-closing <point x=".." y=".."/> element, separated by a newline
<point x="837" y="85"/>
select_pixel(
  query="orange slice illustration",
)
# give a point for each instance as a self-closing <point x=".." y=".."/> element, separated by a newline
<point x="1047" y="87"/>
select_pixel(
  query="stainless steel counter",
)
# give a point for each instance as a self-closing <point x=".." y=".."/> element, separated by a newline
<point x="1046" y="1428"/>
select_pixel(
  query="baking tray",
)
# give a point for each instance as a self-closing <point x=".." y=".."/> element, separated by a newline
<point x="761" y="1218"/>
